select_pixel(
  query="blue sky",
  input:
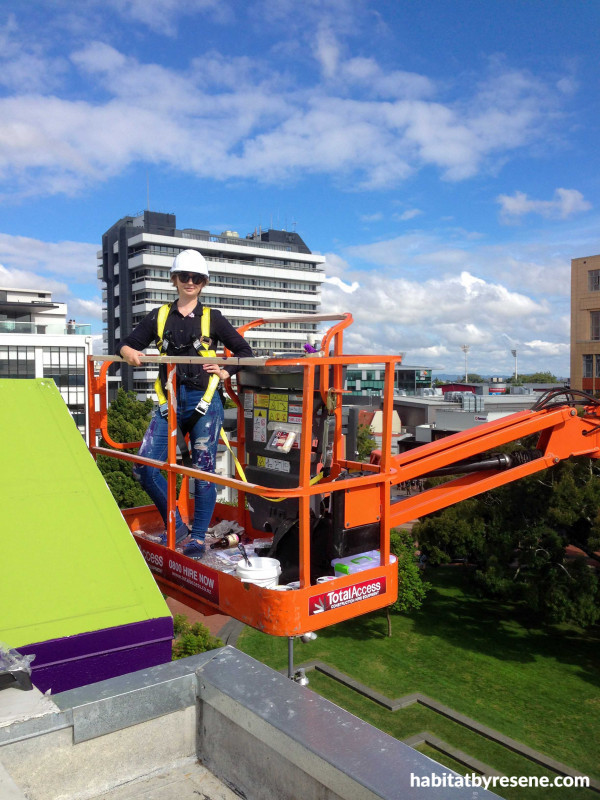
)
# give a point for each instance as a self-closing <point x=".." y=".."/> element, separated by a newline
<point x="442" y="155"/>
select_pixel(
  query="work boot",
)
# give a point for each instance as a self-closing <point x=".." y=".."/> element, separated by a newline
<point x="181" y="533"/>
<point x="195" y="548"/>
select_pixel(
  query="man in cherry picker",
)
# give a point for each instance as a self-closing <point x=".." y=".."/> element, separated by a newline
<point x="186" y="328"/>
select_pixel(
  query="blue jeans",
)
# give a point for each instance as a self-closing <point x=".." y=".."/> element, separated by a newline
<point x="204" y="438"/>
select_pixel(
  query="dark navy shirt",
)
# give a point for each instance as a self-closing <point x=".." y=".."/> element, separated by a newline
<point x="183" y="331"/>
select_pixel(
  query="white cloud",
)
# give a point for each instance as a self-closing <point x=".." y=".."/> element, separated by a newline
<point x="345" y="287"/>
<point x="327" y="51"/>
<point x="162" y="16"/>
<point x="24" y="66"/>
<point x="426" y="300"/>
<point x="23" y="279"/>
<point x="241" y="118"/>
<point x="53" y="266"/>
<point x="566" y="202"/>
<point x="85" y="310"/>
<point x="548" y="348"/>
<point x="75" y="260"/>
<point x="97" y="344"/>
<point x="410" y="213"/>
<point x="541" y="267"/>
<point x="336" y="266"/>
<point x="376" y="217"/>
<point x="365" y="73"/>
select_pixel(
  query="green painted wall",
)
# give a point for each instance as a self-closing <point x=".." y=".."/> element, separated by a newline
<point x="68" y="563"/>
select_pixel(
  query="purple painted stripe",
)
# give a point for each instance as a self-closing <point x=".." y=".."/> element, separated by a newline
<point x="66" y="663"/>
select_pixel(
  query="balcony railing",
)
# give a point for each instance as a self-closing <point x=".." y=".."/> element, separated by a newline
<point x="12" y="326"/>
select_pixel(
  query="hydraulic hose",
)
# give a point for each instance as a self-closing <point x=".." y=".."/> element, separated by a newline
<point x="491" y="461"/>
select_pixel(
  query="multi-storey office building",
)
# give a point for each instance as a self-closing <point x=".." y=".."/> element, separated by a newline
<point x="585" y="323"/>
<point x="268" y="274"/>
<point x="368" y="379"/>
<point x="36" y="341"/>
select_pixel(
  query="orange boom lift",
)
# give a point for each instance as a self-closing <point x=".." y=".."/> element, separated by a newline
<point x="318" y="503"/>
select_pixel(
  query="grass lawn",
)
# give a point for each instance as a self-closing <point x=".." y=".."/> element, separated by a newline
<point x="538" y="686"/>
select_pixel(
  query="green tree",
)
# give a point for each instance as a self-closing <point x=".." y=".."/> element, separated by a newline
<point x="517" y="538"/>
<point x="191" y="639"/>
<point x="365" y="442"/>
<point x="128" y="419"/>
<point x="534" y="377"/>
<point x="411" y="586"/>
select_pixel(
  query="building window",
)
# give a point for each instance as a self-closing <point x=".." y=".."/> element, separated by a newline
<point x="597" y="370"/>
<point x="593" y="280"/>
<point x="17" y="362"/>
<point x="595" y="326"/>
<point x="588" y="366"/>
<point x="66" y="367"/>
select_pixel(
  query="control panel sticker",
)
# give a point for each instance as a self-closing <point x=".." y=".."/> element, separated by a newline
<point x="260" y="425"/>
<point x="278" y="407"/>
<point x="248" y="404"/>
<point x="276" y="464"/>
<point x="261" y="400"/>
<point x="278" y="416"/>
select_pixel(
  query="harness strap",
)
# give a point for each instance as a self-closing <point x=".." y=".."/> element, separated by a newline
<point x="202" y="347"/>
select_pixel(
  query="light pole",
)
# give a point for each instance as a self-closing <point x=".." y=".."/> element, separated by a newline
<point x="514" y="354"/>
<point x="465" y="348"/>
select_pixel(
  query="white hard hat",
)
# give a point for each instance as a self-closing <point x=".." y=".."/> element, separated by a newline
<point x="190" y="261"/>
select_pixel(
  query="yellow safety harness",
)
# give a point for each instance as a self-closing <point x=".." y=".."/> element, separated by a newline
<point x="202" y="347"/>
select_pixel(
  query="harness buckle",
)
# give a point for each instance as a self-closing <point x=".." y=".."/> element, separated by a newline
<point x="202" y="407"/>
<point x="164" y="409"/>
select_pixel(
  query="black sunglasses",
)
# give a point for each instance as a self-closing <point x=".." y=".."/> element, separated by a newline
<point x="184" y="277"/>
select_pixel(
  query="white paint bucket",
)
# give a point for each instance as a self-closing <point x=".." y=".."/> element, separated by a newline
<point x="262" y="571"/>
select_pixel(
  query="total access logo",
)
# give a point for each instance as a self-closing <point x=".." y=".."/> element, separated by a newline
<point x="346" y="596"/>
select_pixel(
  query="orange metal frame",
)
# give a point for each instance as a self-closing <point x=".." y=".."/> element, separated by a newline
<point x="562" y="434"/>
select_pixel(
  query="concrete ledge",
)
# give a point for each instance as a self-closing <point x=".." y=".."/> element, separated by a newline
<point x="29" y="713"/>
<point x="118" y="703"/>
<point x="264" y="736"/>
<point x="269" y="738"/>
<point x="106" y="734"/>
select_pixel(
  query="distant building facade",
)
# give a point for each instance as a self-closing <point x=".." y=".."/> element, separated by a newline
<point x="368" y="379"/>
<point x="585" y="323"/>
<point x="37" y="341"/>
<point x="267" y="274"/>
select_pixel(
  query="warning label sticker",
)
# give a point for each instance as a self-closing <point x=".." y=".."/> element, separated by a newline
<point x="260" y="425"/>
<point x="278" y="407"/>
<point x="277" y="464"/>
